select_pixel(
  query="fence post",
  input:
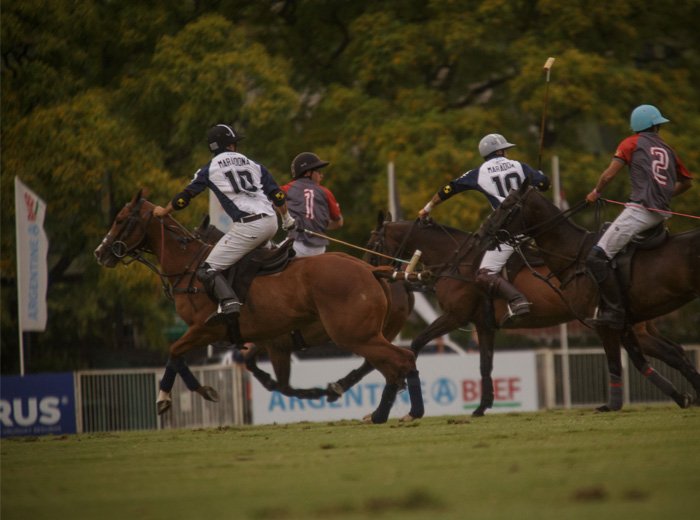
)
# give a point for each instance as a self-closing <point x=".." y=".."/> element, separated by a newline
<point x="550" y="386"/>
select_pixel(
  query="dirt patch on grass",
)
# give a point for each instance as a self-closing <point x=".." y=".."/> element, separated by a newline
<point x="590" y="494"/>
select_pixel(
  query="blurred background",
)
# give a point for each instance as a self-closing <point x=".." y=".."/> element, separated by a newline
<point x="100" y="99"/>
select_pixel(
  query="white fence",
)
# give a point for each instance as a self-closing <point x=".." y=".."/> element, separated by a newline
<point x="112" y="400"/>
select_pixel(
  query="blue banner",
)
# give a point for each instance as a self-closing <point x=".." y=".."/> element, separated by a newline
<point x="37" y="404"/>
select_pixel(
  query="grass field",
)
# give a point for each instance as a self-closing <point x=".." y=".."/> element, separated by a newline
<point x="637" y="464"/>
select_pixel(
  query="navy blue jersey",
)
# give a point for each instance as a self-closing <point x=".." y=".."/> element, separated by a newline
<point x="495" y="178"/>
<point x="243" y="187"/>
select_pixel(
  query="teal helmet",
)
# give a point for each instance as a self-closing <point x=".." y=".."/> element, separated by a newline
<point x="646" y="116"/>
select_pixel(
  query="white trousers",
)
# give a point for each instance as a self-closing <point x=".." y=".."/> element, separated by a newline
<point x="495" y="260"/>
<point x="633" y="220"/>
<point x="241" y="239"/>
<point x="302" y="249"/>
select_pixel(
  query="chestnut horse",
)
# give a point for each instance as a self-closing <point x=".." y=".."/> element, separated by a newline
<point x="662" y="279"/>
<point x="401" y="306"/>
<point x="335" y="293"/>
<point x="453" y="257"/>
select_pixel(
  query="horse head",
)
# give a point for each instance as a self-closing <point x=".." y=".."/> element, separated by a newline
<point x="128" y="232"/>
<point x="377" y="240"/>
<point x="511" y="218"/>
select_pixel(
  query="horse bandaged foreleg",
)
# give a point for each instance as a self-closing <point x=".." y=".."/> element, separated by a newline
<point x="381" y="414"/>
<point x="614" y="395"/>
<point x="415" y="393"/>
<point x="179" y="364"/>
<point x="663" y="384"/>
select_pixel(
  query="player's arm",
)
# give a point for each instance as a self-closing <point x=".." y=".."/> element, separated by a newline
<point x="608" y="175"/>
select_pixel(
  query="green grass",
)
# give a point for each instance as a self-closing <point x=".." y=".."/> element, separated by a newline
<point x="637" y="464"/>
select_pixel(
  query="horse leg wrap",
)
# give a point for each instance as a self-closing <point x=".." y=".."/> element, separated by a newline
<point x="187" y="376"/>
<point x="381" y="414"/>
<point x="662" y="384"/>
<point x="615" y="397"/>
<point x="168" y="380"/>
<point x="415" y="393"/>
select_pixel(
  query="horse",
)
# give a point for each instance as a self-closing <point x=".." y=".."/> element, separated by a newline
<point x="335" y="293"/>
<point x="661" y="279"/>
<point x="401" y="306"/>
<point x="453" y="257"/>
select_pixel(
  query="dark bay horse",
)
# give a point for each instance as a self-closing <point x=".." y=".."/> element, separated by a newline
<point x="335" y="293"/>
<point x="453" y="257"/>
<point x="662" y="279"/>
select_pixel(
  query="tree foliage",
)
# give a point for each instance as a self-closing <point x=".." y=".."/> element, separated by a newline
<point x="102" y="98"/>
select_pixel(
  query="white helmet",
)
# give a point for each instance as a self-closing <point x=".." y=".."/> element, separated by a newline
<point x="493" y="143"/>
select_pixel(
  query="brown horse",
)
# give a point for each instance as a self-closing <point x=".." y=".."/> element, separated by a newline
<point x="662" y="279"/>
<point x="335" y="292"/>
<point x="401" y="306"/>
<point x="453" y="256"/>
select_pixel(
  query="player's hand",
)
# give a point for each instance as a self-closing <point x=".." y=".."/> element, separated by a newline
<point x="160" y="212"/>
<point x="288" y="222"/>
<point x="593" y="196"/>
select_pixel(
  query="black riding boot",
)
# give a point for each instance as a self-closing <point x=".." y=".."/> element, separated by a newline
<point x="228" y="299"/>
<point x="497" y="286"/>
<point x="611" y="310"/>
<point x="229" y="304"/>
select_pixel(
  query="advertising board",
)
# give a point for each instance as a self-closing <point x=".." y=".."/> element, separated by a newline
<point x="37" y="404"/>
<point x="451" y="385"/>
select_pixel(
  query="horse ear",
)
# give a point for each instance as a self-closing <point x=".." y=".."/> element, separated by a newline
<point x="137" y="197"/>
<point x="388" y="217"/>
<point x="380" y="218"/>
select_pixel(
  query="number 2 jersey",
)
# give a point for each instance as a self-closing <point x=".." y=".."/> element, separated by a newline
<point x="242" y="187"/>
<point x="495" y="178"/>
<point x="654" y="169"/>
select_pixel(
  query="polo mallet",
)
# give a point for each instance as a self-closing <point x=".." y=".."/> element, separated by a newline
<point x="547" y="67"/>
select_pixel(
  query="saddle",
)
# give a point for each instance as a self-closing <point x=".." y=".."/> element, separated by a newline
<point x="649" y="239"/>
<point x="261" y="261"/>
<point x="516" y="262"/>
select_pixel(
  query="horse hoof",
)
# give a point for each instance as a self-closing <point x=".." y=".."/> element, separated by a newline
<point x="408" y="418"/>
<point x="208" y="393"/>
<point x="163" y="406"/>
<point x="334" y="391"/>
<point x="686" y="401"/>
<point x="479" y="412"/>
<point x="367" y="419"/>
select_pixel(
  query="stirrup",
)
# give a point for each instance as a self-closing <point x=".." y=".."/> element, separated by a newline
<point x="225" y="313"/>
<point x="515" y="310"/>
<point x="607" y="318"/>
<point x="229" y="307"/>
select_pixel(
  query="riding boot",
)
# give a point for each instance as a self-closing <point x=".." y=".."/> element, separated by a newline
<point x="497" y="286"/>
<point x="215" y="282"/>
<point x="228" y="300"/>
<point x="611" y="311"/>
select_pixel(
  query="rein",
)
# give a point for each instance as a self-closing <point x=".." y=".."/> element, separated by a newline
<point x="136" y="252"/>
<point x="532" y="233"/>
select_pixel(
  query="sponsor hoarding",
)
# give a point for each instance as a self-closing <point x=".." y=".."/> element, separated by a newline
<point x="37" y="404"/>
<point x="451" y="385"/>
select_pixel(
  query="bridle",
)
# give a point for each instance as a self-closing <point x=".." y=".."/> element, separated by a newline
<point x="449" y="268"/>
<point x="118" y="247"/>
<point x="135" y="252"/>
<point x="507" y="213"/>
